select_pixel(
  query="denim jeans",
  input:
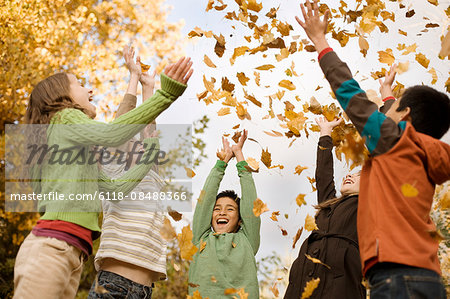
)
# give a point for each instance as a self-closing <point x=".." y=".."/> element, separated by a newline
<point x="117" y="287"/>
<point x="396" y="281"/>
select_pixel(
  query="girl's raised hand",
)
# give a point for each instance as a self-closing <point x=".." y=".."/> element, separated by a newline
<point x="180" y="71"/>
<point x="128" y="55"/>
<point x="327" y="126"/>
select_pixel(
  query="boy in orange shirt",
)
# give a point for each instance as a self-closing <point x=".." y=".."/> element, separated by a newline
<point x="398" y="253"/>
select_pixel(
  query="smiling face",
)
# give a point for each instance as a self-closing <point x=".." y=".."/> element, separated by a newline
<point x="350" y="184"/>
<point x="81" y="95"/>
<point x="225" y="217"/>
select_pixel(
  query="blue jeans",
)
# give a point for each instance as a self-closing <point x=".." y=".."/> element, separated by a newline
<point x="396" y="281"/>
<point x="116" y="286"/>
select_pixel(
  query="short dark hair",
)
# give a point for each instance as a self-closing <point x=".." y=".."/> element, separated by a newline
<point x="231" y="194"/>
<point x="430" y="110"/>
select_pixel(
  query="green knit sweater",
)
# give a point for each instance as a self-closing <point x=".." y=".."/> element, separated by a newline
<point x="228" y="257"/>
<point x="72" y="128"/>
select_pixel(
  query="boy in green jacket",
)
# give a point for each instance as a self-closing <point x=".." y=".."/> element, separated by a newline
<point x="226" y="232"/>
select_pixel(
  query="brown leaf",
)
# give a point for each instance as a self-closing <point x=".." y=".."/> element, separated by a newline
<point x="274" y="290"/>
<point x="236" y="136"/>
<point x="310" y="48"/>
<point x="219" y="48"/>
<point x="252" y="99"/>
<point x="297" y="235"/>
<point x="227" y="85"/>
<point x="423" y="60"/>
<point x="410" y="13"/>
<point x="242" y="78"/>
<point x="266" y="158"/>
<point x="283" y="231"/>
<point x="299" y="169"/>
<point x="174" y="214"/>
<point x="274" y="215"/>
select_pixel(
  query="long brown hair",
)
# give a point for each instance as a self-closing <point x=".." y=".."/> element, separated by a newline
<point x="48" y="97"/>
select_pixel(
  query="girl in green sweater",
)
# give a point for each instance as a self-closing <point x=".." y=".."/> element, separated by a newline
<point x="50" y="260"/>
<point x="226" y="232"/>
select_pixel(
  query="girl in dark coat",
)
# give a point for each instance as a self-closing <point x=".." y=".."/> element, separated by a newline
<point x="336" y="241"/>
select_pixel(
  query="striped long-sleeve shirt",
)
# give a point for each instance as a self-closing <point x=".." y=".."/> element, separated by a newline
<point x="393" y="224"/>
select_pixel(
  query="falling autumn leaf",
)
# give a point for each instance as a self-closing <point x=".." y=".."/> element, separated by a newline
<point x="265" y="67"/>
<point x="310" y="287"/>
<point x="187" y="249"/>
<point x="274" y="290"/>
<point x="259" y="207"/>
<point x="410" y="13"/>
<point x="423" y="60"/>
<point x="403" y="32"/>
<point x="208" y="61"/>
<point x="409" y="190"/>
<point x="402" y="67"/>
<point x="286" y="84"/>
<point x="144" y="67"/>
<point x="299" y="169"/>
<point x="386" y="56"/>
<point x="266" y="158"/>
<point x="316" y="261"/>
<point x="167" y="232"/>
<point x="274" y="215"/>
<point x="297" y="235"/>
<point x="195" y="295"/>
<point x="189" y="172"/>
<point x="252" y="163"/>
<point x="223" y="111"/>
<point x="283" y="231"/>
<point x="445" y="46"/>
<point x="434" y="77"/>
<point x="202" y="245"/>
<point x="242" y="78"/>
<point x="310" y="223"/>
<point x="300" y="199"/>
<point x="174" y="214"/>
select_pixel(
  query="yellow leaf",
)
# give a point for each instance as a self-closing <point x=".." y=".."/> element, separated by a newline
<point x="434" y="2"/>
<point x="274" y="290"/>
<point x="432" y="71"/>
<point x="286" y="84"/>
<point x="223" y="111"/>
<point x="252" y="163"/>
<point x="402" y="67"/>
<point x="409" y="49"/>
<point x="187" y="249"/>
<point x="423" y="60"/>
<point x="445" y="46"/>
<point x="144" y="67"/>
<point x="202" y="245"/>
<point x="310" y="287"/>
<point x="253" y="5"/>
<point x="274" y="215"/>
<point x="233" y="245"/>
<point x="259" y="207"/>
<point x="310" y="223"/>
<point x="265" y="67"/>
<point x="208" y="61"/>
<point x="316" y="261"/>
<point x="300" y="199"/>
<point x="386" y="56"/>
<point x="189" y="172"/>
<point x="167" y="232"/>
<point x="299" y="169"/>
<point x="409" y="190"/>
<point x="239" y="51"/>
<point x="195" y="295"/>
<point x="402" y="32"/>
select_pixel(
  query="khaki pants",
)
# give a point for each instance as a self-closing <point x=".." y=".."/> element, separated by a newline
<point x="47" y="268"/>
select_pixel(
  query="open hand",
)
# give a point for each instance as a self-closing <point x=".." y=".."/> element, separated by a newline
<point x="180" y="71"/>
<point x="327" y="126"/>
<point x="237" y="148"/>
<point x="314" y="27"/>
<point x="386" y="84"/>
<point x="225" y="154"/>
<point x="128" y="55"/>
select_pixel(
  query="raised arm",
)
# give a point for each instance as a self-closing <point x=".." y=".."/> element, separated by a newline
<point x="131" y="178"/>
<point x="380" y="132"/>
<point x="205" y="204"/>
<point x="85" y="131"/>
<point x="324" y="167"/>
<point x="250" y="223"/>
